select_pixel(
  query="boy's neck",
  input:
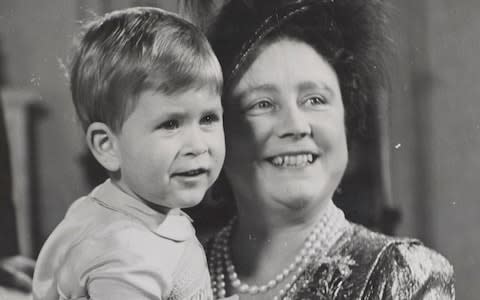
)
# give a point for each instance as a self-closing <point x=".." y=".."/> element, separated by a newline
<point x="158" y="208"/>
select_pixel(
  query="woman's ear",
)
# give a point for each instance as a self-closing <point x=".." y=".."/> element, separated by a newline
<point x="103" y="145"/>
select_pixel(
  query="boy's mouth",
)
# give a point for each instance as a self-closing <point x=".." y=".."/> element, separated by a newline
<point x="191" y="173"/>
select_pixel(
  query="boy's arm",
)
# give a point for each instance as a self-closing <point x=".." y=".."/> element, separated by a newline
<point x="116" y="288"/>
<point x="123" y="265"/>
<point x="127" y="275"/>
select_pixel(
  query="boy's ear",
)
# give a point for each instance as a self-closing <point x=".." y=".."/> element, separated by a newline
<point x="103" y="145"/>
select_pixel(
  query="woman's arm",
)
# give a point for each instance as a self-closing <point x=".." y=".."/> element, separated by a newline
<point x="408" y="270"/>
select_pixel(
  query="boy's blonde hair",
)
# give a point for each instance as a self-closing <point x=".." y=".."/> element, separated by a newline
<point x="127" y="52"/>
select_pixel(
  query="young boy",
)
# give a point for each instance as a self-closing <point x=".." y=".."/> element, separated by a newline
<point x="146" y="87"/>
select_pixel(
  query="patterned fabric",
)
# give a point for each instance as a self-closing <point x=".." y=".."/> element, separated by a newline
<point x="111" y="246"/>
<point x="364" y="265"/>
<point x="367" y="265"/>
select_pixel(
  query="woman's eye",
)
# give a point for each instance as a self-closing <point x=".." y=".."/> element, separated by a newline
<point x="263" y="104"/>
<point x="316" y="100"/>
<point x="260" y="106"/>
<point x="169" y="125"/>
<point x="209" y="119"/>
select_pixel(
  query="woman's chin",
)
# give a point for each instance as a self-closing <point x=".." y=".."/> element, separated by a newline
<point x="295" y="204"/>
<point x="300" y="199"/>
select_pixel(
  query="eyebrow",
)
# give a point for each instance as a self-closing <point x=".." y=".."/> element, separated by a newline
<point x="266" y="87"/>
<point x="169" y="115"/>
<point x="310" y="85"/>
<point x="180" y="113"/>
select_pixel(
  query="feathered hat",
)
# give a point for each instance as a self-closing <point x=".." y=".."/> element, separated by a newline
<point x="349" y="34"/>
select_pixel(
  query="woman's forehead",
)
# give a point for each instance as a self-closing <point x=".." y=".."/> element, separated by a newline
<point x="287" y="62"/>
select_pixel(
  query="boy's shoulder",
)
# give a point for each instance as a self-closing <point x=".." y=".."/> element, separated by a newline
<point x="89" y="220"/>
<point x="89" y="225"/>
<point x="106" y="225"/>
<point x="111" y="235"/>
<point x="94" y="241"/>
<point x="91" y="235"/>
<point x="109" y="216"/>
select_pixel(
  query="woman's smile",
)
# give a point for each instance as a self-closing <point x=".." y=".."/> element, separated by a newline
<point x="291" y="125"/>
<point x="300" y="160"/>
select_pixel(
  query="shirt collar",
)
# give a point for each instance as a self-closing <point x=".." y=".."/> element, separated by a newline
<point x="175" y="225"/>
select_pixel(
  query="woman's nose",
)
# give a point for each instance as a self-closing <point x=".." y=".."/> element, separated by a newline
<point x="294" y="124"/>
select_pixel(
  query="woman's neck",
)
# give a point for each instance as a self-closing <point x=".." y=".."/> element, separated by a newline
<point x="269" y="219"/>
<point x="265" y="243"/>
<point x="264" y="253"/>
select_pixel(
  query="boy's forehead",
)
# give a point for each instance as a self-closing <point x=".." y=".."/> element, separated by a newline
<point x="179" y="81"/>
<point x="194" y="98"/>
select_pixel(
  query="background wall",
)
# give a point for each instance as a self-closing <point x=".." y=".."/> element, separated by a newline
<point x="435" y="130"/>
<point x="35" y="40"/>
<point x="35" y="36"/>
<point x="434" y="117"/>
<point x="454" y="181"/>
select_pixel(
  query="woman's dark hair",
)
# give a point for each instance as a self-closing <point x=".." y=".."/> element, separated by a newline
<point x="349" y="34"/>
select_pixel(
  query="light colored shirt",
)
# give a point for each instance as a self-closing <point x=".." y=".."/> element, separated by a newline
<point x="112" y="246"/>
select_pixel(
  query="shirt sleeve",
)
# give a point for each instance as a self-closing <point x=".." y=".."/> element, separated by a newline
<point x="411" y="271"/>
<point x="124" y="276"/>
<point x="126" y="266"/>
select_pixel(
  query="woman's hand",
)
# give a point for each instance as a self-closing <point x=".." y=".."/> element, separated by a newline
<point x="17" y="272"/>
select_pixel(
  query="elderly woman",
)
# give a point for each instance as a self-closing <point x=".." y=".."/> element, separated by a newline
<point x="298" y="76"/>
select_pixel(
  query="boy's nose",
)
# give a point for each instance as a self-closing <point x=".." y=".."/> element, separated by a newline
<point x="195" y="144"/>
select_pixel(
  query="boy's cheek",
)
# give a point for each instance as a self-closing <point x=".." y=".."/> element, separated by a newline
<point x="218" y="142"/>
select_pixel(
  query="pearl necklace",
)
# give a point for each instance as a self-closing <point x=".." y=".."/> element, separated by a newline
<point x="320" y="239"/>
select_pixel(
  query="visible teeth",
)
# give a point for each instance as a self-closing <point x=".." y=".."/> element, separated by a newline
<point x="297" y="159"/>
<point x="289" y="160"/>
<point x="310" y="158"/>
<point x="300" y="160"/>
<point x="278" y="160"/>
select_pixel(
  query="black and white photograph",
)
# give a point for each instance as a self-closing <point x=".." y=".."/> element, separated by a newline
<point x="239" y="149"/>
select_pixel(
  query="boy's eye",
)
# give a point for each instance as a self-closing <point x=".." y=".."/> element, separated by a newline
<point x="169" y="125"/>
<point x="209" y="119"/>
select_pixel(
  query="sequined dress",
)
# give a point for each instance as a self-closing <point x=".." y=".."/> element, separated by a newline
<point x="367" y="265"/>
<point x="363" y="264"/>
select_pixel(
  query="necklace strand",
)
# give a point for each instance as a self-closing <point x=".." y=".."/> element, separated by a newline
<point x="316" y="244"/>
